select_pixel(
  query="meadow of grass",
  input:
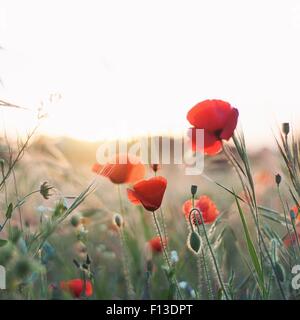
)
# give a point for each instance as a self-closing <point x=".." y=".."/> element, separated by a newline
<point x="70" y="232"/>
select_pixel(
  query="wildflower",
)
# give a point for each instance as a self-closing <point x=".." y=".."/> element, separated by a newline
<point x="125" y="169"/>
<point x="44" y="190"/>
<point x="155" y="244"/>
<point x="217" y="118"/>
<point x="185" y="286"/>
<point x="43" y="209"/>
<point x="205" y="205"/>
<point x="149" y="193"/>
<point x="174" y="256"/>
<point x="76" y="286"/>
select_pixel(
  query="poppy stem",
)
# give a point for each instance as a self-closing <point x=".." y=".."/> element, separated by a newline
<point x="83" y="293"/>
<point x="162" y="217"/>
<point x="285" y="219"/>
<point x="203" y="276"/>
<point x="129" y="286"/>
<point x="163" y="245"/>
<point x="201" y="263"/>
<point x="122" y="211"/>
<point x="212" y="253"/>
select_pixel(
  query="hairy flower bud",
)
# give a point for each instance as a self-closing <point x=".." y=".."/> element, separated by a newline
<point x="278" y="179"/>
<point x="286" y="128"/>
<point x="194" y="242"/>
<point x="194" y="189"/>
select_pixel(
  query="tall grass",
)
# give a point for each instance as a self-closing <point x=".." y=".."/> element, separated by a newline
<point x="270" y="239"/>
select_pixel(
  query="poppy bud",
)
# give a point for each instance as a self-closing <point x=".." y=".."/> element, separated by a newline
<point x="286" y="128"/>
<point x="194" y="189"/>
<point x="155" y="167"/>
<point x="118" y="220"/>
<point x="278" y="179"/>
<point x="194" y="242"/>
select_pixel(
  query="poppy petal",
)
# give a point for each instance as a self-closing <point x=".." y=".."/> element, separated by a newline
<point x="124" y="168"/>
<point x="132" y="197"/>
<point x="136" y="173"/>
<point x="149" y="192"/>
<point x="209" y="114"/>
<point x="187" y="207"/>
<point x="230" y="126"/>
<point x="212" y="145"/>
<point x="205" y="205"/>
<point x="96" y="168"/>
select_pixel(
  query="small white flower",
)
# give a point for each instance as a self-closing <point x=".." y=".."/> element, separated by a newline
<point x="183" y="285"/>
<point x="174" y="256"/>
<point x="42" y="209"/>
<point x="193" y="293"/>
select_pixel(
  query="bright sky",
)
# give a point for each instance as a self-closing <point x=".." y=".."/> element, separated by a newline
<point x="133" y="67"/>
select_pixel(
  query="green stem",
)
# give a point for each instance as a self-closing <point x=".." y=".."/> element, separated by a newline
<point x="212" y="253"/>
<point x="129" y="286"/>
<point x="163" y="245"/>
<point x="122" y="211"/>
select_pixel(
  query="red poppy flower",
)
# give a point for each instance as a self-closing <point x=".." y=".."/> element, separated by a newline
<point x="148" y="193"/>
<point x="217" y="118"/>
<point x="155" y="244"/>
<point x="205" y="205"/>
<point x="76" y="286"/>
<point x="125" y="169"/>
